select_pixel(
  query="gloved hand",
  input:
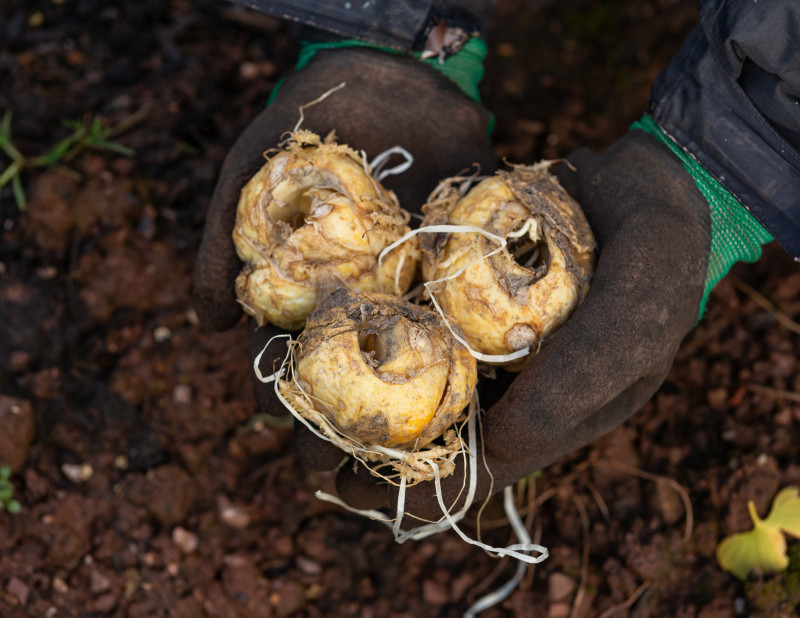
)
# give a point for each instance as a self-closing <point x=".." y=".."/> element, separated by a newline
<point x="388" y="100"/>
<point x="653" y="232"/>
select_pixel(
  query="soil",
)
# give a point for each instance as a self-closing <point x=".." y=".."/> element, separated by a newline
<point x="148" y="485"/>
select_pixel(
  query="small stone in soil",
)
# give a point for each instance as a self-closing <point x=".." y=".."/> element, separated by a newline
<point x="17" y="421"/>
<point x="104" y="604"/>
<point x="558" y="610"/>
<point x="161" y="334"/>
<point x="717" y="397"/>
<point x="560" y="587"/>
<point x="667" y="502"/>
<point x="435" y="593"/>
<point x="19" y="589"/>
<point x="184" y="540"/>
<point x="784" y="417"/>
<point x="60" y="586"/>
<point x="235" y="517"/>
<point x="308" y="566"/>
<point x="98" y="582"/>
<point x="77" y="473"/>
<point x="288" y="598"/>
<point x="182" y="394"/>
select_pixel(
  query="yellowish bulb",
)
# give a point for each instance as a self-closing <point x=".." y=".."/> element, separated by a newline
<point x="517" y="297"/>
<point x="313" y="219"/>
<point x="380" y="370"/>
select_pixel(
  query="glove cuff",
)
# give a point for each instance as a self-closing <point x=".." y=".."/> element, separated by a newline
<point x="736" y="236"/>
<point x="465" y="68"/>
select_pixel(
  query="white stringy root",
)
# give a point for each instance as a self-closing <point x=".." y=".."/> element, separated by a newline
<point x="522" y="551"/>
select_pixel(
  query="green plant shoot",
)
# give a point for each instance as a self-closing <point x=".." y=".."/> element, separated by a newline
<point x="764" y="547"/>
<point x="7" y="500"/>
<point x="85" y="135"/>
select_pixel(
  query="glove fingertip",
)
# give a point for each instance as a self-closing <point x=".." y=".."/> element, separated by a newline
<point x="213" y="293"/>
<point x="313" y="452"/>
<point x="572" y="172"/>
<point x="582" y="157"/>
<point x="263" y="343"/>
<point x="215" y="313"/>
<point x="267" y="401"/>
<point x="359" y="489"/>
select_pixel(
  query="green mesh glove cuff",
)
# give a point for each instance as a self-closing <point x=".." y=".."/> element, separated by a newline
<point x="736" y="236"/>
<point x="465" y="68"/>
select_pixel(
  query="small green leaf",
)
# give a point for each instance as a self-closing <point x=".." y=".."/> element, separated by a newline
<point x="5" y="126"/>
<point x="57" y="152"/>
<point x="19" y="192"/>
<point x="96" y="131"/>
<point x="115" y="147"/>
<point x="13" y="507"/>
<point x="785" y="513"/>
<point x="9" y="173"/>
<point x="75" y="125"/>
<point x="764" y="547"/>
<point x="5" y="139"/>
<point x="5" y="472"/>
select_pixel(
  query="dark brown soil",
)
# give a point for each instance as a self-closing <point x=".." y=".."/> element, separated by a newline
<point x="148" y="487"/>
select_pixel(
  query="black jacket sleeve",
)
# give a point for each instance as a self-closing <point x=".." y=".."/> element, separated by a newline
<point x="731" y="99"/>
<point x="402" y="25"/>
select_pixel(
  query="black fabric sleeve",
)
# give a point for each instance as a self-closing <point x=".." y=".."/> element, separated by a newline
<point x="400" y="24"/>
<point x="731" y="99"/>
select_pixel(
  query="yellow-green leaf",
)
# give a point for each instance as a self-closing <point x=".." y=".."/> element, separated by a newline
<point x="763" y="548"/>
<point x="785" y="513"/>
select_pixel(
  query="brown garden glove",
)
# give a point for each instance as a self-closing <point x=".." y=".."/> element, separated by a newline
<point x="652" y="228"/>
<point x="388" y="100"/>
<point x="650" y="221"/>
